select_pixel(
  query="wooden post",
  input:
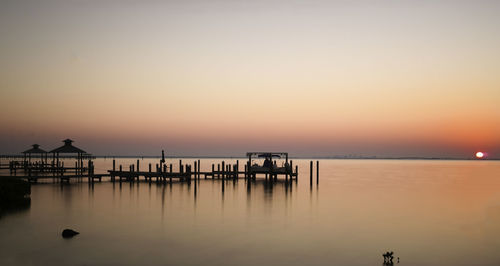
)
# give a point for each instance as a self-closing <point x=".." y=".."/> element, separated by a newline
<point x="235" y="171"/>
<point x="317" y="172"/>
<point x="81" y="164"/>
<point x="246" y="171"/>
<point x="114" y="169"/>
<point x="311" y="173"/>
<point x="120" y="175"/>
<point x="213" y="168"/>
<point x="223" y="170"/>
<point x="249" y="166"/>
<point x="286" y="170"/>
<point x="237" y="167"/>
<point x="218" y="170"/>
<point x="170" y="176"/>
<point x="164" y="173"/>
<point x="150" y="167"/>
<point x="58" y="161"/>
<point x="199" y="164"/>
<point x="296" y="173"/>
<point x="198" y="171"/>
<point x="195" y="169"/>
<point x="138" y="166"/>
<point x="223" y="186"/>
<point x="291" y="170"/>
<point x="89" y="165"/>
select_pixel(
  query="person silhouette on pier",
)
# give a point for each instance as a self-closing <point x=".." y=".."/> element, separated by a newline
<point x="267" y="163"/>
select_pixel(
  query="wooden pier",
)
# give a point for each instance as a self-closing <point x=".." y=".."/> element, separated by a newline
<point x="161" y="173"/>
<point x="34" y="170"/>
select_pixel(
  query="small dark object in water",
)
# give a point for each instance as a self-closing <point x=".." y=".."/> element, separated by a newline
<point x="68" y="233"/>
<point x="398" y="259"/>
<point x="388" y="257"/>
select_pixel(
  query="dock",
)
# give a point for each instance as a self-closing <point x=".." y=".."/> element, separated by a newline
<point x="34" y="165"/>
<point x="161" y="173"/>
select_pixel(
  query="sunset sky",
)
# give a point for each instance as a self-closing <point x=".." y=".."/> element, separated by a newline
<point x="315" y="78"/>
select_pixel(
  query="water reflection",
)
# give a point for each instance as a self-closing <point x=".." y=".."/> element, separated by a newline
<point x="267" y="189"/>
<point x="440" y="209"/>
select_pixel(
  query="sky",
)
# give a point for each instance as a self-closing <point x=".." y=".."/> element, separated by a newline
<point x="314" y="78"/>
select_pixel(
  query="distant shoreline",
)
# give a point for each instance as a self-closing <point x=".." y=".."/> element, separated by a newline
<point x="291" y="157"/>
<point x="305" y="157"/>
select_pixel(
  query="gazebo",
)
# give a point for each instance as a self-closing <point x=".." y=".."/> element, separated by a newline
<point x="268" y="167"/>
<point x="35" y="151"/>
<point x="68" y="148"/>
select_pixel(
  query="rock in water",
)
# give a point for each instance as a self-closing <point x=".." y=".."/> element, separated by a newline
<point x="68" y="233"/>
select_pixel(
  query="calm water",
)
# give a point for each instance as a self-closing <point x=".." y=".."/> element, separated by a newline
<point x="427" y="212"/>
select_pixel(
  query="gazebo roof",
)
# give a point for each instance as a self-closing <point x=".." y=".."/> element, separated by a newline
<point x="35" y="149"/>
<point x="267" y="154"/>
<point x="67" y="148"/>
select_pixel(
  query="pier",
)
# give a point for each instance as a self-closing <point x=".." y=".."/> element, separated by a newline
<point x="159" y="173"/>
<point x="34" y="165"/>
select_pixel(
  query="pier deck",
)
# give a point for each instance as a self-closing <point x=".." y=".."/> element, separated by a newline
<point x="160" y="172"/>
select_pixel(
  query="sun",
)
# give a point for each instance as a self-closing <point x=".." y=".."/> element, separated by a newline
<point x="479" y="155"/>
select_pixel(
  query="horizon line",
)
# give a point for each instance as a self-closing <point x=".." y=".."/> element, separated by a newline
<point x="336" y="157"/>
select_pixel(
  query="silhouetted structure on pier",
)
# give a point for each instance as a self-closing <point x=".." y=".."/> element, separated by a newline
<point x="68" y="148"/>
<point x="36" y="164"/>
<point x="269" y="168"/>
<point x="33" y="152"/>
<point x="161" y="172"/>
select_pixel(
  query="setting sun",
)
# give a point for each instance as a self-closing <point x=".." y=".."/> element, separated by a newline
<point x="479" y="155"/>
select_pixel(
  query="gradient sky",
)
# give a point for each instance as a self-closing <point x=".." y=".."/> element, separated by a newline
<point x="386" y="78"/>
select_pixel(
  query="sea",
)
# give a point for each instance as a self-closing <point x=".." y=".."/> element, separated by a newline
<point x="428" y="212"/>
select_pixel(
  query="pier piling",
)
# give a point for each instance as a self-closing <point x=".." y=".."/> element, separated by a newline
<point x="199" y="169"/>
<point x="317" y="172"/>
<point x="213" y="168"/>
<point x="296" y="174"/>
<point x="223" y="170"/>
<point x="195" y="169"/>
<point x="311" y="173"/>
